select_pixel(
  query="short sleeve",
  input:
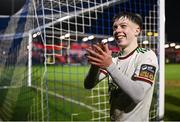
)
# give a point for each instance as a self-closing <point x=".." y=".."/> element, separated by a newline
<point x="146" y="68"/>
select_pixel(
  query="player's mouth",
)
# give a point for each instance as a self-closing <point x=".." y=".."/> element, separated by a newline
<point x="120" y="37"/>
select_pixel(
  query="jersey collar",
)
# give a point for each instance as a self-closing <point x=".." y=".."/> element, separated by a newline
<point x="121" y="57"/>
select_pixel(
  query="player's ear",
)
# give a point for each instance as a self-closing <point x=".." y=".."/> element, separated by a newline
<point x="137" y="31"/>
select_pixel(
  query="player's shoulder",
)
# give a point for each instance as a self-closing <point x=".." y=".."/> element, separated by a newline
<point x="145" y="52"/>
<point x="142" y="50"/>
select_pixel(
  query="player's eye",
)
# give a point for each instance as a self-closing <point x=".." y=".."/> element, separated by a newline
<point x="123" y="26"/>
<point x="114" y="27"/>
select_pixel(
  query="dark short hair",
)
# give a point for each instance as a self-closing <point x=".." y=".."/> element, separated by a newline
<point x="135" y="18"/>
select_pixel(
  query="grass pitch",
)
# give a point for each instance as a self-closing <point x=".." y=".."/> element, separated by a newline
<point x="172" y="92"/>
<point x="58" y="95"/>
<point x="66" y="98"/>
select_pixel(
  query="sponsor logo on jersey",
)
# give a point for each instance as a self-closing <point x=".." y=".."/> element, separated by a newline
<point x="147" y="71"/>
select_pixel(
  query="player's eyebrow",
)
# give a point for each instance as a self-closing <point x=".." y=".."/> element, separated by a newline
<point x="123" y="23"/>
<point x="120" y="23"/>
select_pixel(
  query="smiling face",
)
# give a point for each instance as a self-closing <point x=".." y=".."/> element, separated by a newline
<point x="125" y="31"/>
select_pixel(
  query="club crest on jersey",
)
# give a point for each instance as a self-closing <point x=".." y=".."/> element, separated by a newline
<point x="147" y="71"/>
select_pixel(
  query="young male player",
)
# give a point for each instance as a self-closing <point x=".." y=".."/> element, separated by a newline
<point x="132" y="73"/>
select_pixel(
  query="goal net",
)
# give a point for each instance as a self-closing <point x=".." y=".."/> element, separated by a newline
<point x="46" y="66"/>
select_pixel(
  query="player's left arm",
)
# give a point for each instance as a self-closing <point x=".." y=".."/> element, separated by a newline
<point x="147" y="68"/>
<point x="142" y="79"/>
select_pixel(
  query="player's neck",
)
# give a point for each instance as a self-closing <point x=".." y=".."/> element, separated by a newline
<point x="130" y="48"/>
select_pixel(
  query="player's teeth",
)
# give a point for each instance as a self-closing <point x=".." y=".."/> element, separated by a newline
<point x="120" y="37"/>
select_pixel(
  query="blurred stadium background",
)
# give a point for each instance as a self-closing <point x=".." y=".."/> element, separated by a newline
<point x="42" y="64"/>
<point x="172" y="52"/>
<point x="172" y="77"/>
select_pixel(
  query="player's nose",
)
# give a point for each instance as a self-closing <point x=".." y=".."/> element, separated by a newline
<point x="118" y="30"/>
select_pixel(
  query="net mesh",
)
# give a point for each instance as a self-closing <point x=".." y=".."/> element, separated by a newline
<point x="43" y="64"/>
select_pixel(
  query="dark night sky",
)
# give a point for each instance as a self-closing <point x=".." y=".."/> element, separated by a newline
<point x="172" y="13"/>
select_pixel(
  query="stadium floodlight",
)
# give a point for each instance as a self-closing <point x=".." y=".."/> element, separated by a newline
<point x="62" y="37"/>
<point x="177" y="47"/>
<point x="145" y="42"/>
<point x="67" y="35"/>
<point x="155" y="34"/>
<point x="149" y="33"/>
<point x="110" y="39"/>
<point x="4" y="52"/>
<point x="166" y="46"/>
<point x="91" y="37"/>
<point x="104" y="41"/>
<point x="172" y="45"/>
<point x="85" y="39"/>
<point x="34" y="35"/>
<point x="38" y="33"/>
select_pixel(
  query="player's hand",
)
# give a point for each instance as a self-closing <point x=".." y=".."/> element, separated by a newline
<point x="99" y="55"/>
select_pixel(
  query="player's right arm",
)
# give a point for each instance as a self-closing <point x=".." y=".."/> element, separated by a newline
<point x="94" y="76"/>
